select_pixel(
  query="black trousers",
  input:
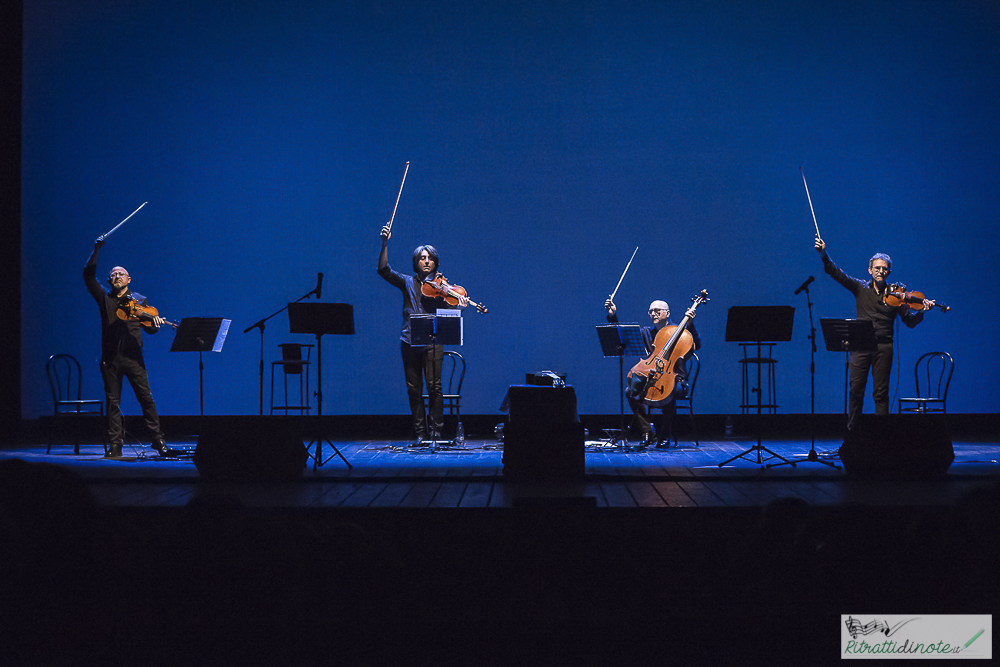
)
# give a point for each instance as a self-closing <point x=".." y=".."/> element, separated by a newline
<point x="135" y="370"/>
<point x="879" y="364"/>
<point x="641" y="411"/>
<point x="420" y="365"/>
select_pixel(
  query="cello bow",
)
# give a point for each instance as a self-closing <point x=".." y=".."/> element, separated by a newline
<point x="612" y="297"/>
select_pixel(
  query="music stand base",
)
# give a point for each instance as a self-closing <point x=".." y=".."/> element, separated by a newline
<point x="436" y="445"/>
<point x="617" y="440"/>
<point x="812" y="457"/>
<point x="317" y="458"/>
<point x="760" y="458"/>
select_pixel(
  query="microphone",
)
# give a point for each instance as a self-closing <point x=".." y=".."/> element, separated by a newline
<point x="319" y="285"/>
<point x="805" y="284"/>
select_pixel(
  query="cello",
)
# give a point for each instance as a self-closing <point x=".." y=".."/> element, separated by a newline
<point x="653" y="380"/>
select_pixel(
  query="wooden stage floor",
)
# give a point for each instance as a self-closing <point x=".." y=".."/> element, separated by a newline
<point x="412" y="556"/>
<point x="386" y="473"/>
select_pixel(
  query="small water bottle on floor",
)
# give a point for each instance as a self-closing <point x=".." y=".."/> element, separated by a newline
<point x="460" y="434"/>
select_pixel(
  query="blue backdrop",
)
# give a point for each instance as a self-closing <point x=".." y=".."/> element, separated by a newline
<point x="547" y="140"/>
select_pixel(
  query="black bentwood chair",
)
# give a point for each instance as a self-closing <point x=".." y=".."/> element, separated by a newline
<point x="66" y="382"/>
<point x="452" y="376"/>
<point x="935" y="368"/>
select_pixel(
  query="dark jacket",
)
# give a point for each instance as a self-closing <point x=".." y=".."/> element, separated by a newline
<point x="414" y="302"/>
<point x="117" y="336"/>
<point x="869" y="305"/>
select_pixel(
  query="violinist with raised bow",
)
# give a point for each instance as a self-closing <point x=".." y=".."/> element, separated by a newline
<point x="121" y="351"/>
<point x="421" y="363"/>
<point x="870" y="300"/>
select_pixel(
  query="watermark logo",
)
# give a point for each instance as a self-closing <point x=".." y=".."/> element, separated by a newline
<point x="935" y="636"/>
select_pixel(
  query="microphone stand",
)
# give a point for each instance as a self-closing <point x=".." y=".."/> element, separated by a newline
<point x="260" y="325"/>
<point x="812" y="456"/>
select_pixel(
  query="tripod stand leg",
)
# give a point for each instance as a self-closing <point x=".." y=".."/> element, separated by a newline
<point x="812" y="457"/>
<point x="318" y="456"/>
<point x="758" y="448"/>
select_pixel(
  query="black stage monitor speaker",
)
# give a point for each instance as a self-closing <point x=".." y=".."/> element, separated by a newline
<point x="545" y="378"/>
<point x="251" y="449"/>
<point x="898" y="445"/>
<point x="543" y="438"/>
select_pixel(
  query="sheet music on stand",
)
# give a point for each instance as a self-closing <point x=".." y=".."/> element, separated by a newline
<point x="621" y="339"/>
<point x="443" y="328"/>
<point x="201" y="334"/>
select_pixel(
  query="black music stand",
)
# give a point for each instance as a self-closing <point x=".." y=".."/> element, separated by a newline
<point x="756" y="324"/>
<point x="201" y="334"/>
<point x="428" y="329"/>
<point x="436" y="330"/>
<point x="848" y="336"/>
<point x="617" y="340"/>
<point x="320" y="319"/>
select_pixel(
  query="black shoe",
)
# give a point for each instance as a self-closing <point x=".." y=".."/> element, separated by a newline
<point x="648" y="439"/>
<point x="114" y="451"/>
<point x="161" y="447"/>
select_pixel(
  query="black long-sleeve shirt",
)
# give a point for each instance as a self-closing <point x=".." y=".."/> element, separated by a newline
<point x="870" y="305"/>
<point x="414" y="302"/>
<point x="117" y="336"/>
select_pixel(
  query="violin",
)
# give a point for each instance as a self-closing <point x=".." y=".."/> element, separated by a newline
<point x="653" y="380"/>
<point x="136" y="312"/>
<point x="897" y="296"/>
<point x="438" y="287"/>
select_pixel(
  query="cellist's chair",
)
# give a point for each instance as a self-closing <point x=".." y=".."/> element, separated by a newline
<point x="66" y="382"/>
<point x="687" y="402"/>
<point x="292" y="363"/>
<point x="693" y="365"/>
<point x="452" y="376"/>
<point x="935" y="369"/>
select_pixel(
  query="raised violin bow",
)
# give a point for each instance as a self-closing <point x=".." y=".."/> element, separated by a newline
<point x="399" y="195"/>
<point x="810" y="203"/>
<point x="104" y="236"/>
<point x="612" y="297"/>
